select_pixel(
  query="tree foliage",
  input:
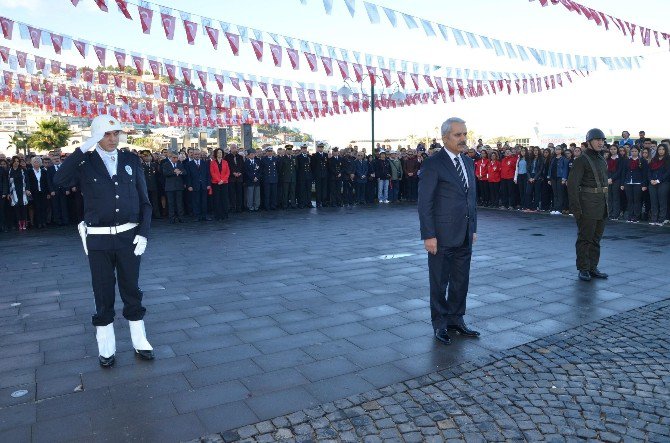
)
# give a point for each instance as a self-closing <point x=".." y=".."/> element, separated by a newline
<point x="20" y="141"/>
<point x="51" y="134"/>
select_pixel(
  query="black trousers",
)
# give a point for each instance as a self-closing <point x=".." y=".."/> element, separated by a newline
<point x="412" y="188"/>
<point x="494" y="193"/>
<point x="220" y="197"/>
<point x="40" y="203"/>
<point x="449" y="275"/>
<point x="634" y="198"/>
<point x="304" y="191"/>
<point x="348" y="192"/>
<point x="199" y="202"/>
<point x="59" y="213"/>
<point x="321" y="189"/>
<point x="508" y="192"/>
<point x="155" y="204"/>
<point x="270" y="196"/>
<point x="589" y="233"/>
<point x="360" y="192"/>
<point x="236" y="196"/>
<point x="522" y="182"/>
<point x="106" y="266"/>
<point x="175" y="203"/>
<point x="335" y="192"/>
<point x="288" y="195"/>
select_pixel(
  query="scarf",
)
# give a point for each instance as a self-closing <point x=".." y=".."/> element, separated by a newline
<point x="14" y="199"/>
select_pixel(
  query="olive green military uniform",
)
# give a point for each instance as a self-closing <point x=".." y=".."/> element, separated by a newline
<point x="588" y="203"/>
<point x="288" y="172"/>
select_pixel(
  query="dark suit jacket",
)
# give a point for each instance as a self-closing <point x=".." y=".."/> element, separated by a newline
<point x="252" y="171"/>
<point x="236" y="165"/>
<point x="51" y="172"/>
<point x="198" y="176"/>
<point x="44" y="181"/>
<point x="109" y="201"/>
<point x="174" y="182"/>
<point x="446" y="210"/>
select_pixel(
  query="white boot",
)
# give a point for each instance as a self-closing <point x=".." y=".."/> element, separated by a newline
<point x="139" y="336"/>
<point x="106" y="340"/>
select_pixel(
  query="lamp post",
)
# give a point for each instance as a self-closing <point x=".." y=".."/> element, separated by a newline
<point x="398" y="95"/>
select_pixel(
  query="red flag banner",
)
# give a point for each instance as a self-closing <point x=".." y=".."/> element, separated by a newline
<point x="276" y="52"/>
<point x="234" y="41"/>
<point x="146" y="15"/>
<point x="202" y="76"/>
<point x="35" y="36"/>
<point x="344" y="69"/>
<point x="327" y="65"/>
<point x="57" y="42"/>
<point x="168" y="25"/>
<point x="123" y="7"/>
<point x="101" y="4"/>
<point x="311" y="61"/>
<point x="7" y="26"/>
<point x="120" y="59"/>
<point x="100" y="52"/>
<point x="213" y="35"/>
<point x="155" y="68"/>
<point x="258" y="48"/>
<point x="191" y="29"/>
<point x="415" y="80"/>
<point x="358" y="72"/>
<point x="293" y="57"/>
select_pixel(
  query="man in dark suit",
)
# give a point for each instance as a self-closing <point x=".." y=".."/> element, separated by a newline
<point x="448" y="219"/>
<point x="59" y="194"/>
<point x="236" y="179"/>
<point x="270" y="179"/>
<point x="199" y="183"/>
<point x="117" y="217"/>
<point x="287" y="178"/>
<point x="304" y="180"/>
<point x="150" y="169"/>
<point x="175" y="175"/>
<point x="335" y="178"/>
<point x="320" y="174"/>
<point x="38" y="184"/>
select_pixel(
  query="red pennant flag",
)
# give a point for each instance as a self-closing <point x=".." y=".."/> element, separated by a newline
<point x="202" y="76"/>
<point x="194" y="96"/>
<point x="164" y="90"/>
<point x="415" y="80"/>
<point x="170" y="69"/>
<point x="386" y="74"/>
<point x="344" y="69"/>
<point x="186" y="73"/>
<point x="123" y="7"/>
<point x="358" y="72"/>
<point x="35" y="36"/>
<point x="249" y="84"/>
<point x="179" y="95"/>
<point x="101" y="4"/>
<point x="70" y="71"/>
<point x="7" y="26"/>
<point x="288" y="91"/>
<point x="327" y="65"/>
<point x="213" y="35"/>
<point x="120" y="59"/>
<point x="372" y="72"/>
<point x="311" y="61"/>
<point x="168" y="25"/>
<point x="525" y="86"/>
<point x="277" y="91"/>
<point x="131" y="84"/>
<point x="81" y="47"/>
<point x="118" y="81"/>
<point x="155" y="67"/>
<point x="452" y="89"/>
<point x="191" y="29"/>
<point x="438" y="85"/>
<point x="553" y="82"/>
<point x="264" y="88"/>
<point x="4" y="53"/>
<point x="75" y="93"/>
<point x="100" y="52"/>
<point x="219" y="81"/>
<point x="103" y="78"/>
<point x="259" y="103"/>
<point x="401" y="79"/>
<point x="146" y="15"/>
<point x="148" y="88"/>
<point x="517" y="82"/>
<point x="276" y="52"/>
<point x="428" y="80"/>
<point x="40" y="62"/>
<point x="139" y="64"/>
<point x="234" y="41"/>
<point x="293" y="58"/>
<point x="461" y="90"/>
<point x="21" y="57"/>
<point x="57" y="42"/>
<point x="235" y="82"/>
<point x="559" y="80"/>
<point x="258" y="48"/>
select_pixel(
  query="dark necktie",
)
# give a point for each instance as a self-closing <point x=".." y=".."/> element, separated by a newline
<point x="457" y="164"/>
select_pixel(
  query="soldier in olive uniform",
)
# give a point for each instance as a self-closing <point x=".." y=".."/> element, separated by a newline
<point x="287" y="178"/>
<point x="587" y="191"/>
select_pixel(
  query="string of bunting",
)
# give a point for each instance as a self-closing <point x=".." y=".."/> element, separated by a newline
<point x="343" y="58"/>
<point x="604" y="20"/>
<point x="474" y="40"/>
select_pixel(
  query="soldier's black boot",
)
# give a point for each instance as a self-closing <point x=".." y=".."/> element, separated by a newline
<point x="585" y="275"/>
<point x="595" y="273"/>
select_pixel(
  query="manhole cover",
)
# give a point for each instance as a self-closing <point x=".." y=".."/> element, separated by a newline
<point x="19" y="393"/>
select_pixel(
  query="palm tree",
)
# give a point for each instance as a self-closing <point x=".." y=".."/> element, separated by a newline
<point x="20" y="141"/>
<point x="52" y="134"/>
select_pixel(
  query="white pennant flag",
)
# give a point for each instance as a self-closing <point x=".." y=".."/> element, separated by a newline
<point x="351" y="6"/>
<point x="328" y="6"/>
<point x="409" y="21"/>
<point x="427" y="28"/>
<point x="390" y="14"/>
<point x="373" y="13"/>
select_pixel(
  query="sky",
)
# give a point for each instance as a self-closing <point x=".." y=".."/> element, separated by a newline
<point x="612" y="100"/>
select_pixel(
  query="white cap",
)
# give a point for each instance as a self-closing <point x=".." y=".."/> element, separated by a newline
<point x="104" y="123"/>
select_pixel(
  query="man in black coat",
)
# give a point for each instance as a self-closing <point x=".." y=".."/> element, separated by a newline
<point x="287" y="178"/>
<point x="38" y="184"/>
<point x="236" y="179"/>
<point x="59" y="194"/>
<point x="175" y="175"/>
<point x="199" y="183"/>
<point x="304" y="178"/>
<point x="150" y="169"/>
<point x="335" y="178"/>
<point x="117" y="218"/>
<point x="320" y="175"/>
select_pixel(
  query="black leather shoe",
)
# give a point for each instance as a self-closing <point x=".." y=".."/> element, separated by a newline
<point x="597" y="274"/>
<point x="585" y="275"/>
<point x="442" y="336"/>
<point x="144" y="355"/>
<point x="463" y="330"/>
<point x="106" y="362"/>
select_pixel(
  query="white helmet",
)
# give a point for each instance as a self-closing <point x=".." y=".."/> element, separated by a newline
<point x="104" y="123"/>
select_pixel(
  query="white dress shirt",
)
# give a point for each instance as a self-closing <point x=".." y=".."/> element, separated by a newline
<point x="460" y="160"/>
<point x="38" y="174"/>
<point x="110" y="159"/>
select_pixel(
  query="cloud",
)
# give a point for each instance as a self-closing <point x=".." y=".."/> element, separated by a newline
<point x="32" y="5"/>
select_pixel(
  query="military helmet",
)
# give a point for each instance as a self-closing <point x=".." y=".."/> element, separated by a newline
<point x="595" y="134"/>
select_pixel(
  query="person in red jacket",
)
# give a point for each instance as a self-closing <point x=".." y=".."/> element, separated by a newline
<point x="507" y="173"/>
<point x="493" y="179"/>
<point x="220" y="172"/>
<point x="481" y="165"/>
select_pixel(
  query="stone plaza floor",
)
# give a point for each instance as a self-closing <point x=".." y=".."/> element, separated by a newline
<point x="269" y="314"/>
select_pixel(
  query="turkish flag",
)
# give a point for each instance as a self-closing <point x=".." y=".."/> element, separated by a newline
<point x="213" y="35"/>
<point x="35" y="36"/>
<point x="168" y="25"/>
<point x="344" y="69"/>
<point x="146" y="16"/>
<point x="293" y="58"/>
<point x="186" y="73"/>
<point x="234" y="41"/>
<point x="327" y="65"/>
<point x="258" y="48"/>
<point x="81" y="47"/>
<point x="202" y="76"/>
<point x="191" y="29"/>
<point x="7" y="26"/>
<point x="120" y="59"/>
<point x="57" y="42"/>
<point x="311" y="61"/>
<point x="358" y="71"/>
<point x="123" y="7"/>
<point x="139" y="64"/>
<point x="155" y="68"/>
<point x="276" y="52"/>
<point x="100" y="52"/>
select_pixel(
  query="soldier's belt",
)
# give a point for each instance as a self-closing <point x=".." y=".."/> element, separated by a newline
<point x="593" y="190"/>
<point x="109" y="230"/>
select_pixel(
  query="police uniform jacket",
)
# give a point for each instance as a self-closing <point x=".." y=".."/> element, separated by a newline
<point x="320" y="165"/>
<point x="304" y="166"/>
<point x="236" y="165"/>
<point x="348" y="166"/>
<point x="269" y="170"/>
<point x="109" y="201"/>
<point x="335" y="168"/>
<point x="151" y="175"/>
<point x="582" y="179"/>
<point x="287" y="169"/>
<point x="174" y="182"/>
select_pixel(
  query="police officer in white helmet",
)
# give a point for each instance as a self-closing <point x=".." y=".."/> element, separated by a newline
<point x="117" y="218"/>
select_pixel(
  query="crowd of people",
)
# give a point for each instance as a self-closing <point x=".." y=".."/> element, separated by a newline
<point x="198" y="184"/>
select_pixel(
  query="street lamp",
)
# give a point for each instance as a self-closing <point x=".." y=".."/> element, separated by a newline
<point x="398" y="95"/>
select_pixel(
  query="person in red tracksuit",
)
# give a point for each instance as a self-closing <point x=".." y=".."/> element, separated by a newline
<point x="507" y="173"/>
<point x="220" y="173"/>
<point x="493" y="179"/>
<point x="481" y="165"/>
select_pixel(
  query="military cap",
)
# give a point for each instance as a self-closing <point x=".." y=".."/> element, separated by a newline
<point x="269" y="148"/>
<point x="335" y="149"/>
<point x="320" y="145"/>
<point x="289" y="146"/>
<point x="304" y="145"/>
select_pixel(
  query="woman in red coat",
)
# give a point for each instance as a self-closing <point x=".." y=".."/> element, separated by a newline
<point x="219" y="170"/>
<point x="481" y="165"/>
<point x="493" y="178"/>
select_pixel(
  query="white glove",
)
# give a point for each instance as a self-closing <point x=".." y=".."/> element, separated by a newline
<point x="81" y="227"/>
<point x="91" y="142"/>
<point x="141" y="243"/>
